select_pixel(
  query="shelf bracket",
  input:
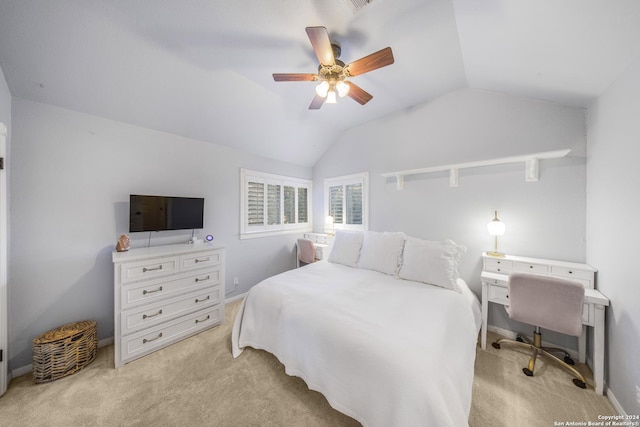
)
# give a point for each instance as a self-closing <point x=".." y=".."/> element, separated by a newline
<point x="532" y="170"/>
<point x="400" y="182"/>
<point x="453" y="177"/>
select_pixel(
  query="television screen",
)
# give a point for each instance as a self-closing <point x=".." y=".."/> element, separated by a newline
<point x="157" y="213"/>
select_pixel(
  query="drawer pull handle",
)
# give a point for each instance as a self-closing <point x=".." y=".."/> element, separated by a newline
<point x="200" y="321"/>
<point x="531" y="266"/>
<point x="203" y="299"/>
<point x="152" y="291"/>
<point x="570" y="272"/>
<point x="207" y="259"/>
<point x="146" y="316"/>
<point x="145" y="269"/>
<point x="144" y="341"/>
<point x="202" y="280"/>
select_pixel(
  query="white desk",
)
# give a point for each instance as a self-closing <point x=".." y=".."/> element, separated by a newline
<point x="495" y="278"/>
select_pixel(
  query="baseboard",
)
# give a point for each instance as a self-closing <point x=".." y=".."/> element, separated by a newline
<point x="234" y="298"/>
<point x="614" y="402"/>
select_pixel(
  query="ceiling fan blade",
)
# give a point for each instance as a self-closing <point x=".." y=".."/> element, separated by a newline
<point x="319" y="37"/>
<point x="358" y="94"/>
<point x="294" y="77"/>
<point x="316" y="103"/>
<point x="376" y="60"/>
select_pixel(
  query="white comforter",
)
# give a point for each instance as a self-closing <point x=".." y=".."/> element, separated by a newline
<point x="385" y="351"/>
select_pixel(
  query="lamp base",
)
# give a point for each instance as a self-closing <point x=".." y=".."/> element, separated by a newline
<point x="496" y="254"/>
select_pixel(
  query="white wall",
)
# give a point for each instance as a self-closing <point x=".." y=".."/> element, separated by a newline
<point x="72" y="174"/>
<point x="544" y="219"/>
<point x="5" y="101"/>
<point x="613" y="227"/>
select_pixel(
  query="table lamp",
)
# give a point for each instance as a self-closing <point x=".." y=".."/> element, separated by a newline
<point x="496" y="228"/>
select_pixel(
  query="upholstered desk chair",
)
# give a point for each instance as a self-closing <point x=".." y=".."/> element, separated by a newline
<point x="549" y="303"/>
<point x="306" y="252"/>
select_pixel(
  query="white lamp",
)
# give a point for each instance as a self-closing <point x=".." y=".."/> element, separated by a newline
<point x="322" y="88"/>
<point x="331" y="96"/>
<point x="329" y="224"/>
<point x="496" y="228"/>
<point x="342" y="88"/>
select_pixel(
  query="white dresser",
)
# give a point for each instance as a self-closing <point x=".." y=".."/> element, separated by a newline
<point x="164" y="294"/>
<point x="495" y="279"/>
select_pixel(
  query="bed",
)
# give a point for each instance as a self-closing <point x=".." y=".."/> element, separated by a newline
<point x="367" y="330"/>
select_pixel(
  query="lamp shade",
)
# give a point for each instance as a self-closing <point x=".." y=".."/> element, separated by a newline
<point x="496" y="227"/>
<point x="322" y="88"/>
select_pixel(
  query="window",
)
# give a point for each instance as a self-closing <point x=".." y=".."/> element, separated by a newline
<point x="273" y="204"/>
<point x="346" y="201"/>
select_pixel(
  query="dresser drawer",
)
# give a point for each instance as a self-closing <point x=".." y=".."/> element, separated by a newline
<point x="148" y="269"/>
<point x="157" y="290"/>
<point x="527" y="267"/>
<point x="498" y="265"/>
<point x="200" y="260"/>
<point x="143" y="342"/>
<point x="152" y="314"/>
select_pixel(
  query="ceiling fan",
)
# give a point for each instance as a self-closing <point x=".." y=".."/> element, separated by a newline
<point x="332" y="72"/>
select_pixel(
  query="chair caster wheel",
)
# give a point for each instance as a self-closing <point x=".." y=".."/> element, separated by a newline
<point x="519" y="339"/>
<point x="568" y="360"/>
<point x="579" y="383"/>
<point x="527" y="372"/>
<point x="495" y="345"/>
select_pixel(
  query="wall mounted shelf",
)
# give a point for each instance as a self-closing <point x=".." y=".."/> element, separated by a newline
<point x="531" y="167"/>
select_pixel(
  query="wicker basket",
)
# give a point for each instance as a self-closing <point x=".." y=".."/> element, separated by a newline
<point x="64" y="351"/>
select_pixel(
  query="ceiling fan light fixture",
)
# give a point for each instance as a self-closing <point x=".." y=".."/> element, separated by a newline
<point x="331" y="97"/>
<point x="322" y="88"/>
<point x="342" y="88"/>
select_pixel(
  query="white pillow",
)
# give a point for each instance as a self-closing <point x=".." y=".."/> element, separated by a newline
<point x="346" y="248"/>
<point x="381" y="251"/>
<point x="434" y="263"/>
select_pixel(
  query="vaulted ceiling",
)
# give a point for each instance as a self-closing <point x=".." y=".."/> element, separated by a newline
<point x="203" y="68"/>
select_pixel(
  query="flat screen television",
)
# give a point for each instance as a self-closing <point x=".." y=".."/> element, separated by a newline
<point x="158" y="213"/>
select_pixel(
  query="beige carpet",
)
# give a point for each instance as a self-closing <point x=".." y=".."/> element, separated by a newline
<point x="197" y="383"/>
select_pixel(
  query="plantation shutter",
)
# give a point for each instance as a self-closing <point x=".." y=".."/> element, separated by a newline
<point x="289" y="205"/>
<point x="273" y="204"/>
<point x="255" y="203"/>
<point x="336" y="202"/>
<point x="303" y="215"/>
<point x="353" y="201"/>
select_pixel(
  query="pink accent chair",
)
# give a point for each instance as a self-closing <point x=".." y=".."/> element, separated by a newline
<point x="306" y="252"/>
<point x="550" y="303"/>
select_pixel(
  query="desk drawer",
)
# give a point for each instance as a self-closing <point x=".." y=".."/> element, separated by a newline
<point x="588" y="314"/>
<point x="499" y="294"/>
<point x="498" y="265"/>
<point x="526" y="267"/>
<point x="582" y="276"/>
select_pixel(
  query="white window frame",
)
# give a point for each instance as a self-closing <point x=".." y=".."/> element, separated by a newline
<point x="253" y="231"/>
<point x="359" y="178"/>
